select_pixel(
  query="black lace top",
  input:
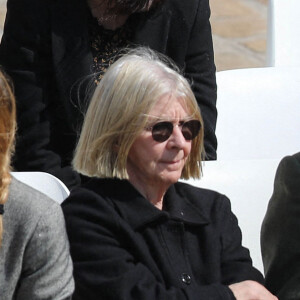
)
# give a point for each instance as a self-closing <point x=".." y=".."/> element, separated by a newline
<point x="106" y="44"/>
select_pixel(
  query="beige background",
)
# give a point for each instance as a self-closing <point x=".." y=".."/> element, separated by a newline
<point x="239" y="32"/>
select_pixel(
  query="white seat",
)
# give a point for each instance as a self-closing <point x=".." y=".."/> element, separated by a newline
<point x="45" y="183"/>
<point x="249" y="186"/>
<point x="258" y="113"/>
<point x="283" y="33"/>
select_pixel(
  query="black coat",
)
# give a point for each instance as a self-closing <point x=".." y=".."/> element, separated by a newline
<point x="280" y="233"/>
<point x="123" y="247"/>
<point x="46" y="50"/>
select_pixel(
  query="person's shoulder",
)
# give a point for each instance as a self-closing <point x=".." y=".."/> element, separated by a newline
<point x="187" y="13"/>
<point x="96" y="188"/>
<point x="213" y="205"/>
<point x="204" y="198"/>
<point x="197" y="191"/>
<point x="95" y="194"/>
<point x="288" y="170"/>
<point x="296" y="156"/>
<point x="29" y="202"/>
<point x="31" y="7"/>
<point x="94" y="204"/>
<point x="28" y="212"/>
<point x="26" y="209"/>
<point x="291" y="161"/>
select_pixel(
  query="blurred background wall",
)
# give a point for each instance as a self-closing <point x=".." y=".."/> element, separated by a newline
<point x="239" y="33"/>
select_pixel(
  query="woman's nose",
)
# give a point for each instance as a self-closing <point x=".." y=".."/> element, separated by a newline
<point x="177" y="139"/>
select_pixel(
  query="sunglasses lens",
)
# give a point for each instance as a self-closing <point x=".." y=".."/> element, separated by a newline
<point x="161" y="131"/>
<point x="190" y="129"/>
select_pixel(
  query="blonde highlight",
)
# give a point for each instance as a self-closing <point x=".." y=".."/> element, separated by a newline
<point x="7" y="134"/>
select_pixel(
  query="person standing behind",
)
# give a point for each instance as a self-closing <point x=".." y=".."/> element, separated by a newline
<point x="35" y="262"/>
<point x="280" y="232"/>
<point x="50" y="49"/>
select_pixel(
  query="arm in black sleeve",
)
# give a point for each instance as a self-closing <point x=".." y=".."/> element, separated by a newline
<point x="25" y="54"/>
<point x="200" y="69"/>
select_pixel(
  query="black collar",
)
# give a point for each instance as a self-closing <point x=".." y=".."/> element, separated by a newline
<point x="138" y="211"/>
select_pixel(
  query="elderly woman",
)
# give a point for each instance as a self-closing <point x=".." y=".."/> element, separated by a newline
<point x="135" y="231"/>
<point x="35" y="261"/>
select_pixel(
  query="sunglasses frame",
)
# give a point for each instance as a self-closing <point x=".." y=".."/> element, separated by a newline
<point x="170" y="127"/>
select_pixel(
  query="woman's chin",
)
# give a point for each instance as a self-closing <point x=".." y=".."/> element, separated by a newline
<point x="171" y="177"/>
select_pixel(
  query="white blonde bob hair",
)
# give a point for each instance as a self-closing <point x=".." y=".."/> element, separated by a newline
<point x="118" y="113"/>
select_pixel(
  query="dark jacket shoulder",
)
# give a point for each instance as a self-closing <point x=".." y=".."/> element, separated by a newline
<point x="280" y="232"/>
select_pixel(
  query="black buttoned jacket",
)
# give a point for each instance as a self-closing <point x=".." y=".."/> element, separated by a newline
<point x="123" y="247"/>
<point x="46" y="50"/>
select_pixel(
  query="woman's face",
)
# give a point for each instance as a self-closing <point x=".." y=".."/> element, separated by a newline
<point x="160" y="163"/>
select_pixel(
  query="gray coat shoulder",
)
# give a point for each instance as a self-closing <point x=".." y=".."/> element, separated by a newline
<point x="35" y="247"/>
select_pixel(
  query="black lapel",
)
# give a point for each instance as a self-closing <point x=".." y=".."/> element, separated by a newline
<point x="152" y="29"/>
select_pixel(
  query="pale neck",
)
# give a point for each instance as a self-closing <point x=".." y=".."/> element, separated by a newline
<point x="154" y="192"/>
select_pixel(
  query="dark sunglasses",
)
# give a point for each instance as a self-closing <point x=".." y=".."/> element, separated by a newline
<point x="161" y="131"/>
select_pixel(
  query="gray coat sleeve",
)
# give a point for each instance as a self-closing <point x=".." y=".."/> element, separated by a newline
<point x="47" y="269"/>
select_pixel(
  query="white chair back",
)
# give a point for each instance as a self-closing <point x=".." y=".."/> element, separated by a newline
<point x="249" y="186"/>
<point x="258" y="113"/>
<point x="283" y="33"/>
<point x="45" y="183"/>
